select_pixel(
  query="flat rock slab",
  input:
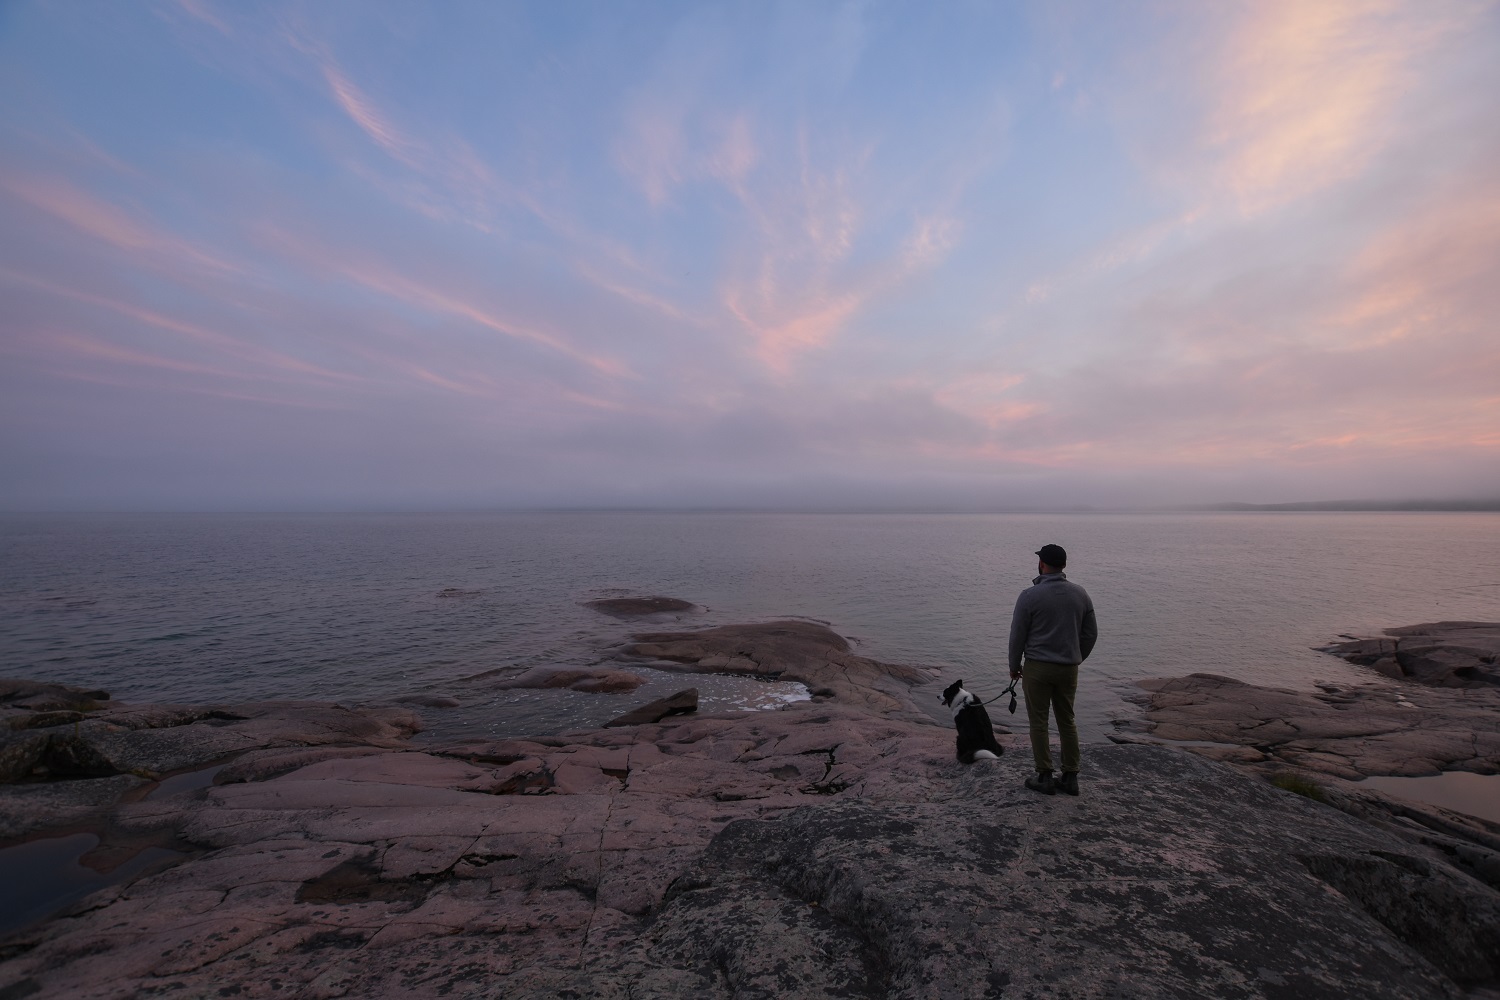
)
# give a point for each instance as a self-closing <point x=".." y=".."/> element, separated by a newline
<point x="390" y="872"/>
<point x="793" y="651"/>
<point x="792" y="854"/>
<point x="1349" y="733"/>
<point x="1442" y="654"/>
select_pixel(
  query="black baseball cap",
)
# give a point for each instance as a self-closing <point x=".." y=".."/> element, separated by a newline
<point x="1053" y="555"/>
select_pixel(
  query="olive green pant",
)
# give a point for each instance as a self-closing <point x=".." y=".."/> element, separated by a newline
<point x="1051" y="686"/>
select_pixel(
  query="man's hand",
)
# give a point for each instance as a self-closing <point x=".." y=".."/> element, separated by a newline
<point x="1015" y="675"/>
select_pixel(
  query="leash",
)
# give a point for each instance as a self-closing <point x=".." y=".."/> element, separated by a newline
<point x="1008" y="691"/>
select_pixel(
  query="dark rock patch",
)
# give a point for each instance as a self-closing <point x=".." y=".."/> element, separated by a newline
<point x="359" y="881"/>
<point x="20" y="989"/>
<point x="535" y="780"/>
<point x="1422" y="905"/>
<point x="681" y="703"/>
<point x="41" y="696"/>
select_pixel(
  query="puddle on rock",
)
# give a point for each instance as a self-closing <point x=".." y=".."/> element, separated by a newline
<point x="1460" y="791"/>
<point x="188" y="781"/>
<point x="43" y="876"/>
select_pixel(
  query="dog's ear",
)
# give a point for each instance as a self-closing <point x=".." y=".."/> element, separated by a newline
<point x="960" y="682"/>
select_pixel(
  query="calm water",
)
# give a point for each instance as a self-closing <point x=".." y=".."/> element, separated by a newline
<point x="348" y="607"/>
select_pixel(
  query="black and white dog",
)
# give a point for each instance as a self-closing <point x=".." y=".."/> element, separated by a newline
<point x="976" y="737"/>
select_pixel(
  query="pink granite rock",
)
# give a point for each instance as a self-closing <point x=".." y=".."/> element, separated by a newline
<point x="411" y="854"/>
<point x="1441" y="654"/>
<point x="1411" y="730"/>
<point x="330" y="881"/>
<point x="812" y="851"/>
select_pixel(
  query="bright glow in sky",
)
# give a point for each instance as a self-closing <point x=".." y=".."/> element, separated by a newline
<point x="361" y="255"/>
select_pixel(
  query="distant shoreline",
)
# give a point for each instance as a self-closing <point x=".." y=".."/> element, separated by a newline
<point x="1357" y="506"/>
<point x="1228" y="507"/>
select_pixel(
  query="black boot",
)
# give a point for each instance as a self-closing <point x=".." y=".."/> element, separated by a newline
<point x="1068" y="782"/>
<point x="1042" y="783"/>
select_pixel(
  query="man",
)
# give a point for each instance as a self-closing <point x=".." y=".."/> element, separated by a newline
<point x="1053" y="628"/>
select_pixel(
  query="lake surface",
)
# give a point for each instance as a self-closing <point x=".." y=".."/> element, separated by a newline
<point x="352" y="608"/>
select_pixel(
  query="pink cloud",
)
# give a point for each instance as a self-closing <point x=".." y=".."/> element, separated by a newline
<point x="416" y="293"/>
<point x="778" y="343"/>
<point x="983" y="398"/>
<point x="108" y="223"/>
<point x="362" y="111"/>
<point x="1303" y="91"/>
<point x="230" y="345"/>
<point x="387" y="280"/>
<point x="87" y="348"/>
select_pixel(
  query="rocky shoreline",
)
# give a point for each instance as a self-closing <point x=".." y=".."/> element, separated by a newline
<point x="831" y="848"/>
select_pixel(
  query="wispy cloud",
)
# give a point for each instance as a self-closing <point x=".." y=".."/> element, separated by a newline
<point x="53" y="343"/>
<point x="108" y="223"/>
<point x="1304" y="91"/>
<point x="369" y="272"/>
<point x="778" y="342"/>
<point x="226" y="343"/>
<point x="202" y="11"/>
<point x="362" y="111"/>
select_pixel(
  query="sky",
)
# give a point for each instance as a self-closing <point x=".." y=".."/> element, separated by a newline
<point x="368" y="256"/>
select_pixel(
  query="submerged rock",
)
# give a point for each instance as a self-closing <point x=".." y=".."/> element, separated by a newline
<point x="423" y="700"/>
<point x="637" y="607"/>
<point x="592" y="680"/>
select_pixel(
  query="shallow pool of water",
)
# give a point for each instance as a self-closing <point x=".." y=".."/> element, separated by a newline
<point x="43" y="876"/>
<point x="1461" y="791"/>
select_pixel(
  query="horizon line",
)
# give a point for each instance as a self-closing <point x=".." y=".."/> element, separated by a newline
<point x="1488" y="505"/>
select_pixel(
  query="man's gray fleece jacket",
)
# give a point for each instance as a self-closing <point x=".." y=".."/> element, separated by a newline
<point x="1053" y="621"/>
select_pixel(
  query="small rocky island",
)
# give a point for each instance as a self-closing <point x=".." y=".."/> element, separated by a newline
<point x="834" y="847"/>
